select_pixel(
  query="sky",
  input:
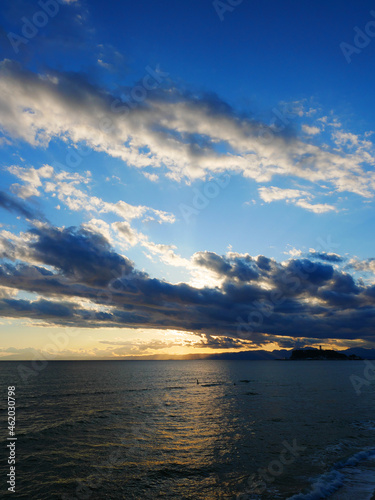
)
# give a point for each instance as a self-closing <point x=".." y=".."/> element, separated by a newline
<point x="185" y="178"/>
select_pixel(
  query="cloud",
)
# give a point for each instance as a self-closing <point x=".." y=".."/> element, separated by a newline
<point x="317" y="208"/>
<point x="343" y="138"/>
<point x="13" y="205"/>
<point x="183" y="135"/>
<point x="239" y="267"/>
<point x="32" y="178"/>
<point x="151" y="177"/>
<point x="269" y="194"/>
<point x="65" y="185"/>
<point x="366" y="266"/>
<point x="214" y="342"/>
<point x="71" y="190"/>
<point x="328" y="257"/>
<point x="81" y="281"/>
<point x="81" y="255"/>
<point x="40" y="308"/>
<point x="295" y="196"/>
<point x="137" y="346"/>
<point x="311" y="130"/>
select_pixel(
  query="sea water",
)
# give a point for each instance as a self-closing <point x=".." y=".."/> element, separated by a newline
<point x="147" y="429"/>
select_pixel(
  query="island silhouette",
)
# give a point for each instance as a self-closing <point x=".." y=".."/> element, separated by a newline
<point x="320" y="354"/>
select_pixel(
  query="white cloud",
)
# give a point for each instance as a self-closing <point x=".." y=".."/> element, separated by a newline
<point x="162" y="135"/>
<point x="5" y="141"/>
<point x="341" y="138"/>
<point x="104" y="64"/>
<point x="317" y="208"/>
<point x="151" y="177"/>
<point x="38" y="109"/>
<point x="367" y="266"/>
<point x="64" y="186"/>
<point x="99" y="226"/>
<point x="24" y="191"/>
<point x="311" y="130"/>
<point x="67" y="187"/>
<point x="297" y="197"/>
<point x="32" y="178"/>
<point x="294" y="252"/>
<point x="128" y="236"/>
<point x="274" y="193"/>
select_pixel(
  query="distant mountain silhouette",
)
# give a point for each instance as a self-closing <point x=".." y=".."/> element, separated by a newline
<point x="260" y="355"/>
<point x="361" y="351"/>
<point x="285" y="354"/>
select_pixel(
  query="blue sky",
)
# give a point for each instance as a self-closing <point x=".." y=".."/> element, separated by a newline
<point x="173" y="146"/>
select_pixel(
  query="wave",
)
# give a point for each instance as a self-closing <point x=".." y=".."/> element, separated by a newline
<point x="328" y="483"/>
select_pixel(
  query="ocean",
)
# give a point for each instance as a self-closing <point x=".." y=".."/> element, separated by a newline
<point x="300" y="430"/>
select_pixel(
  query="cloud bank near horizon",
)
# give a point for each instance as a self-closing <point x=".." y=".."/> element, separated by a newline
<point x="80" y="281"/>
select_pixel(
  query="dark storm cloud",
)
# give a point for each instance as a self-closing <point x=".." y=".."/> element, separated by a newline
<point x="39" y="309"/>
<point x="343" y="292"/>
<point x="15" y="205"/>
<point x="264" y="263"/>
<point x="242" y="268"/>
<point x="311" y="272"/>
<point x="259" y="298"/>
<point x="221" y="342"/>
<point x="212" y="261"/>
<point x="344" y="283"/>
<point x="328" y="257"/>
<point x="83" y="256"/>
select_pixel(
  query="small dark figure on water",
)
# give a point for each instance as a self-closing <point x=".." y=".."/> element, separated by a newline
<point x="197" y="382"/>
